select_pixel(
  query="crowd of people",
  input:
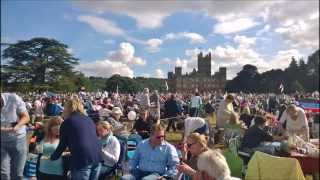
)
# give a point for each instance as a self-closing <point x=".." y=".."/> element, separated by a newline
<point x="86" y="129"/>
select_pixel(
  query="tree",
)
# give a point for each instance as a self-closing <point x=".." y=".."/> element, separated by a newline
<point x="38" y="61"/>
<point x="313" y="72"/>
<point x="247" y="80"/>
<point x="295" y="86"/>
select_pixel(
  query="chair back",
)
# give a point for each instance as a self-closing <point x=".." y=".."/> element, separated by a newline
<point x="123" y="153"/>
<point x="263" y="166"/>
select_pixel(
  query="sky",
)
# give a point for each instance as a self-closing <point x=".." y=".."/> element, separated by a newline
<point x="149" y="38"/>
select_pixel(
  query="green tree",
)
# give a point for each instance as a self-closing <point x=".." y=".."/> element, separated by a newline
<point x="247" y="80"/>
<point x="295" y="86"/>
<point x="313" y="72"/>
<point x="38" y="61"/>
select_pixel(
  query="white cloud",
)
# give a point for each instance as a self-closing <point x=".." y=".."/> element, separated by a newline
<point x="151" y="14"/>
<point x="105" y="68"/>
<point x="159" y="73"/>
<point x="149" y="19"/>
<point x="244" y="41"/>
<point x="234" y="25"/>
<point x="303" y="34"/>
<point x="299" y="29"/>
<point x="282" y="59"/>
<point x="154" y="44"/>
<point x="102" y="25"/>
<point x="126" y="54"/>
<point x="194" y="38"/>
<point x="265" y="29"/>
<point x="166" y="61"/>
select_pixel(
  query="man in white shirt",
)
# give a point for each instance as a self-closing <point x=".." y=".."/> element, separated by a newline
<point x="195" y="124"/>
<point x="296" y="122"/>
<point x="14" y="116"/>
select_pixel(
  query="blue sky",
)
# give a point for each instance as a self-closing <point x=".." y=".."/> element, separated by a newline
<point x="150" y="38"/>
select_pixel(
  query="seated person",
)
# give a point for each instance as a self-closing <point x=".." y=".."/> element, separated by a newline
<point x="195" y="145"/>
<point x="234" y="127"/>
<point x="212" y="165"/>
<point x="110" y="147"/>
<point x="296" y="122"/>
<point x="246" y="118"/>
<point x="195" y="124"/>
<point x="114" y="120"/>
<point x="255" y="135"/>
<point x="143" y="124"/>
<point x="154" y="158"/>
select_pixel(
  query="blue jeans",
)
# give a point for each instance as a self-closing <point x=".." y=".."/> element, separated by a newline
<point x="202" y="130"/>
<point x="140" y="175"/>
<point x="105" y="170"/>
<point x="90" y="172"/>
<point x="13" y="159"/>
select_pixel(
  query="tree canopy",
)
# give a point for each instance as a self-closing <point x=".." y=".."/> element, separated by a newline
<point x="38" y="61"/>
<point x="298" y="76"/>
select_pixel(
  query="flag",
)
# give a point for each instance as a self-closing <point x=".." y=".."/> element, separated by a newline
<point x="167" y="87"/>
<point x="281" y="88"/>
<point x="117" y="90"/>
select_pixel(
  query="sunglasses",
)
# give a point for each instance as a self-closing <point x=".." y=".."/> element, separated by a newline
<point x="160" y="137"/>
<point x="189" y="145"/>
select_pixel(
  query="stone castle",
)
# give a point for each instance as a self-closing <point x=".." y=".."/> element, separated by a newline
<point x="201" y="80"/>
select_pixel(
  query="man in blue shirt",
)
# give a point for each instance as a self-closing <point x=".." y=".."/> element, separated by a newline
<point x="154" y="158"/>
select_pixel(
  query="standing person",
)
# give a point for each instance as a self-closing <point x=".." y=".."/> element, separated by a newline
<point x="155" y="105"/>
<point x="196" y="102"/>
<point x="145" y="99"/>
<point x="224" y="111"/>
<point x="171" y="111"/>
<point x="78" y="133"/>
<point x="195" y="125"/>
<point x="296" y="122"/>
<point x="14" y="117"/>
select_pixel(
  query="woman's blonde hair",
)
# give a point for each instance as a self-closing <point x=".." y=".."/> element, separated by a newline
<point x="214" y="164"/>
<point x="74" y="104"/>
<point x="105" y="125"/>
<point x="54" y="121"/>
<point x="199" y="138"/>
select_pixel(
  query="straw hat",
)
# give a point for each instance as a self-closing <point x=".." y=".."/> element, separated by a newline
<point x="116" y="110"/>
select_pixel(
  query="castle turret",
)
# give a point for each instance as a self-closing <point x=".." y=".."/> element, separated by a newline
<point x="178" y="71"/>
<point x="204" y="65"/>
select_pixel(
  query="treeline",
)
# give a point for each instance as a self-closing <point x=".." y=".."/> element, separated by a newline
<point x="299" y="76"/>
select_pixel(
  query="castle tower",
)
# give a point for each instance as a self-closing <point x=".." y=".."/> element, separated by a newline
<point x="178" y="71"/>
<point x="204" y="64"/>
<point x="223" y="73"/>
